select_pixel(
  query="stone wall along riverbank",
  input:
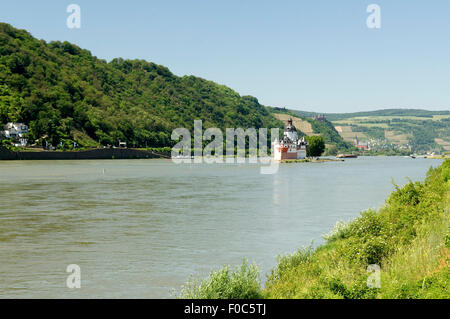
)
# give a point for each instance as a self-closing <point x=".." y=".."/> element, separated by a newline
<point x="101" y="153"/>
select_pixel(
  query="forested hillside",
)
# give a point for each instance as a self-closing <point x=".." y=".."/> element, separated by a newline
<point x="391" y="130"/>
<point x="65" y="94"/>
<point x="418" y="133"/>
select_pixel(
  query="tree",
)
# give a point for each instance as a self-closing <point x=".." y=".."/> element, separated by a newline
<point x="11" y="105"/>
<point x="316" y="146"/>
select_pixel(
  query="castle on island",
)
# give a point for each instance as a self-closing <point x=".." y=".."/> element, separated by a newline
<point x="290" y="146"/>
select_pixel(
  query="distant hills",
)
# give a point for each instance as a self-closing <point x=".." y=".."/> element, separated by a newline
<point x="310" y="126"/>
<point x="64" y="93"/>
<point x="410" y="130"/>
<point x="385" y="112"/>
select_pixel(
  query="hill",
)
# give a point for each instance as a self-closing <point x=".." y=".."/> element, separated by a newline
<point x="396" y="130"/>
<point x="65" y="94"/>
<point x="309" y="126"/>
<point x="418" y="133"/>
<point x="386" y="112"/>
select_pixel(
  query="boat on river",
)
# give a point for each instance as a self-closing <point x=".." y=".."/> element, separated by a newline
<point x="347" y="156"/>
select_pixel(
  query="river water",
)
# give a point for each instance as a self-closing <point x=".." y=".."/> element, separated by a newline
<point x="139" y="228"/>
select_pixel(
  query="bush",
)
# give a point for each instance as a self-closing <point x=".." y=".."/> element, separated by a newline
<point x="369" y="224"/>
<point x="290" y="261"/>
<point x="446" y="170"/>
<point x="340" y="230"/>
<point x="6" y="143"/>
<point x="240" y="283"/>
<point x="410" y="194"/>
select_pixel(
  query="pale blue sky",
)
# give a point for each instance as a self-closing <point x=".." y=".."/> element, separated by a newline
<point x="310" y="55"/>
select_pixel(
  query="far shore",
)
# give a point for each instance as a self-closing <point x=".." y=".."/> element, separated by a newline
<point x="134" y="153"/>
<point x="312" y="160"/>
<point x="94" y="154"/>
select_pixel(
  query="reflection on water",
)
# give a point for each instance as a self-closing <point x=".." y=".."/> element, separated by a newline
<point x="139" y="228"/>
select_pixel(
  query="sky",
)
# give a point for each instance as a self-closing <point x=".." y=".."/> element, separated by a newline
<point x="308" y="55"/>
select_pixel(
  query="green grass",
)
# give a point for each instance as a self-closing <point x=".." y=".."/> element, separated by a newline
<point x="409" y="238"/>
<point x="240" y="283"/>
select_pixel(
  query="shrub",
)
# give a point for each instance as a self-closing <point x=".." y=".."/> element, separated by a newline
<point x="341" y="230"/>
<point x="291" y="261"/>
<point x="447" y="240"/>
<point x="6" y="143"/>
<point x="410" y="194"/>
<point x="446" y="170"/>
<point x="240" y="283"/>
<point x="369" y="224"/>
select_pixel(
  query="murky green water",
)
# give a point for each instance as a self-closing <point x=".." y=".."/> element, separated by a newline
<point x="139" y="228"/>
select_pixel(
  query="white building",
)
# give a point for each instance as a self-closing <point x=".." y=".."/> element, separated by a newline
<point x="291" y="146"/>
<point x="16" y="131"/>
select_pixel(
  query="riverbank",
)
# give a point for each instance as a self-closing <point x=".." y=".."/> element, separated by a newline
<point x="101" y="153"/>
<point x="405" y="244"/>
<point x="312" y="160"/>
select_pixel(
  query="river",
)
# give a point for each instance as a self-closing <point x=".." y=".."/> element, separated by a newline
<point x="139" y="228"/>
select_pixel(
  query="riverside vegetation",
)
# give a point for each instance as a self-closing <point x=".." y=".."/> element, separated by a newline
<point x="65" y="94"/>
<point x="409" y="238"/>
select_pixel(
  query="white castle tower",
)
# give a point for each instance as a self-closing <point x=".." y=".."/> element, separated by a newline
<point x="291" y="146"/>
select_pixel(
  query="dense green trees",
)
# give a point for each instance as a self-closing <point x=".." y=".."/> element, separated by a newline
<point x="63" y="92"/>
<point x="316" y="146"/>
<point x="11" y="105"/>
